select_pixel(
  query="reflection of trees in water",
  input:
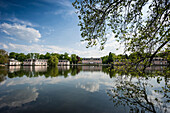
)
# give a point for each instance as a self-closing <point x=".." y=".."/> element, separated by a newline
<point x="122" y="70"/>
<point x="75" y="70"/>
<point x="3" y="73"/>
<point x="34" y="72"/>
<point x="2" y="78"/>
<point x="62" y="71"/>
<point x="140" y="94"/>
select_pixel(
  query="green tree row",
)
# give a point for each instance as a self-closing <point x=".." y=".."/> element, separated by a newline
<point x="108" y="59"/>
<point x="73" y="58"/>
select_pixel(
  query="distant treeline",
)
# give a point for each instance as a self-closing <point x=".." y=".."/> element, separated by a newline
<point x="75" y="59"/>
<point x="21" y="56"/>
<point x="108" y="59"/>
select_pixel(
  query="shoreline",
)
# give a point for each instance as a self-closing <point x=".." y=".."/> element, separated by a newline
<point x="86" y="65"/>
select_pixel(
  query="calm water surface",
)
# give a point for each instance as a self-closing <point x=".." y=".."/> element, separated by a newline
<point x="83" y="89"/>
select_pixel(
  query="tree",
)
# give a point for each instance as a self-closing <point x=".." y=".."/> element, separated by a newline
<point x="3" y="52"/>
<point x="74" y="58"/>
<point x="12" y="55"/>
<point x="66" y="57"/>
<point x="36" y="55"/>
<point x="21" y="57"/>
<point x="78" y="58"/>
<point x="61" y="57"/>
<point x="110" y="58"/>
<point x="47" y="55"/>
<point x="3" y="56"/>
<point x="33" y="56"/>
<point x="53" y="61"/>
<point x="105" y="59"/>
<point x="121" y="56"/>
<point x="42" y="56"/>
<point x="139" y="31"/>
<point x="55" y="54"/>
<point x="3" y="59"/>
<point x="28" y="56"/>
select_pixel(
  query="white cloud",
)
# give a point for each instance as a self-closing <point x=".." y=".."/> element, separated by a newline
<point x="66" y="10"/>
<point x="59" y="12"/>
<point x="79" y="50"/>
<point x="22" y="96"/>
<point x="88" y="81"/>
<point x="89" y="86"/>
<point x="11" y="38"/>
<point x="4" y="46"/>
<point x="65" y="3"/>
<point x="16" y="20"/>
<point x="21" y="32"/>
<point x="6" y="32"/>
<point x="28" y="48"/>
<point x="111" y="45"/>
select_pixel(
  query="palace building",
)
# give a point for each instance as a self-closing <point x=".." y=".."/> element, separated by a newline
<point x="91" y="61"/>
<point x="63" y="62"/>
<point x="35" y="62"/>
<point x="13" y="62"/>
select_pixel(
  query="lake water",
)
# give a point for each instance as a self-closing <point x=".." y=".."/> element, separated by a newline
<point x="82" y="89"/>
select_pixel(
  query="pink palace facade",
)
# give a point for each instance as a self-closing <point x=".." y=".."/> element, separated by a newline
<point x="91" y="61"/>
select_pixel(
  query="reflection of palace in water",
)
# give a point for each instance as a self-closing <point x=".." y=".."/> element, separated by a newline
<point x="28" y="68"/>
<point x="148" y="69"/>
<point x="63" y="67"/>
<point x="91" y="68"/>
<point x="35" y="68"/>
<point x="14" y="68"/>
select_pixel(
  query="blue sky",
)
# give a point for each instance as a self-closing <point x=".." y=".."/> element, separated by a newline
<point x="45" y="26"/>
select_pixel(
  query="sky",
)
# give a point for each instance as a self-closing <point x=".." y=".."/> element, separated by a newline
<point x="40" y="26"/>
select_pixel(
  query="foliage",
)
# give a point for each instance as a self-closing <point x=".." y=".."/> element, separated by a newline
<point x="139" y="31"/>
<point x="74" y="58"/>
<point x="47" y="55"/>
<point x="55" y="54"/>
<point x="79" y="59"/>
<point x="3" y="56"/>
<point x="66" y="57"/>
<point x="36" y="55"/>
<point x="3" y="59"/>
<point x="42" y="56"/>
<point x="21" y="57"/>
<point x="3" y="52"/>
<point x="105" y="59"/>
<point x="12" y="55"/>
<point x="53" y="61"/>
<point x="110" y="58"/>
